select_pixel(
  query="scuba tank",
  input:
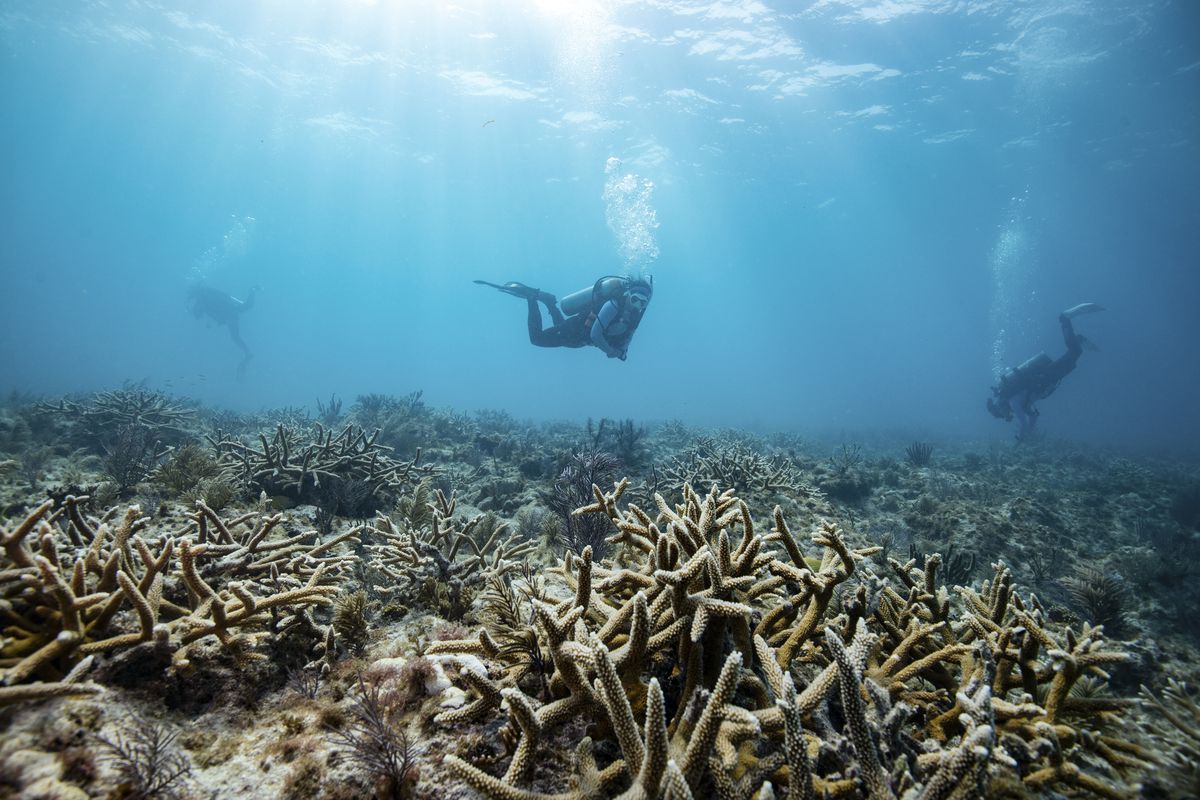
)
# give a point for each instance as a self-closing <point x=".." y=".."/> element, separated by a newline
<point x="1016" y="379"/>
<point x="1034" y="363"/>
<point x="582" y="301"/>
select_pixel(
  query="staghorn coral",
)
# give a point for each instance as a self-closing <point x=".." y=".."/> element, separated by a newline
<point x="737" y="465"/>
<point x="956" y="567"/>
<point x="1044" y="504"/>
<point x="105" y="412"/>
<point x="441" y="565"/>
<point x="244" y="547"/>
<point x="131" y="429"/>
<point x="904" y="689"/>
<point x="285" y="466"/>
<point x="73" y="588"/>
<point x="1179" y="708"/>
<point x="71" y="685"/>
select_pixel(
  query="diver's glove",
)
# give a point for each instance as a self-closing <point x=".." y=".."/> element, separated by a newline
<point x="623" y="354"/>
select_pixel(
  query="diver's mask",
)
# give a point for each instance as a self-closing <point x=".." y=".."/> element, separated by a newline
<point x="637" y="296"/>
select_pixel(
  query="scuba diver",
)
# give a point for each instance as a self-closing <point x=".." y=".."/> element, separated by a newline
<point x="1038" y="377"/>
<point x="605" y="314"/>
<point x="223" y="309"/>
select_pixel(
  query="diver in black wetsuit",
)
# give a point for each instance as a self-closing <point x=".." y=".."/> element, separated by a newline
<point x="605" y="314"/>
<point x="223" y="309"/>
<point x="1037" y="378"/>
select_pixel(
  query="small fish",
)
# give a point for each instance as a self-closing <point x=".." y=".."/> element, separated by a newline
<point x="489" y="122"/>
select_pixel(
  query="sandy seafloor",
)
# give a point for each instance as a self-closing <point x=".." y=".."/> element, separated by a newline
<point x="1099" y="536"/>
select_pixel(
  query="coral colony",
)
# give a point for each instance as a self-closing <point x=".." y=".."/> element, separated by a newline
<point x="404" y="602"/>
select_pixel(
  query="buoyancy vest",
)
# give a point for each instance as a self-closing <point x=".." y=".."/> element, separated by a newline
<point x="1023" y="377"/>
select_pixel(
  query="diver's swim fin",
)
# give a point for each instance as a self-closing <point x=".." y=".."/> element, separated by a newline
<point x="513" y="288"/>
<point x="1082" y="308"/>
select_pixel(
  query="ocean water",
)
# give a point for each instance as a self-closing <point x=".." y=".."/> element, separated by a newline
<point x="856" y="212"/>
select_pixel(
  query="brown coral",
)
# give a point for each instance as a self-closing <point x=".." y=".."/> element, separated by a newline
<point x="905" y="690"/>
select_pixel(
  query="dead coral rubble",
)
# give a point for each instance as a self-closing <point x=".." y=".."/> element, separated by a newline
<point x="712" y="659"/>
<point x="72" y="588"/>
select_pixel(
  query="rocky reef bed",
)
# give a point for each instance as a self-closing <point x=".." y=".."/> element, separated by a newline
<point x="400" y="601"/>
